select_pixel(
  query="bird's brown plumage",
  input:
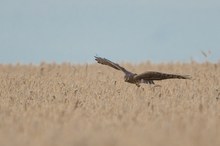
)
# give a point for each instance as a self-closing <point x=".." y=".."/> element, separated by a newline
<point x="152" y="75"/>
<point x="146" y="77"/>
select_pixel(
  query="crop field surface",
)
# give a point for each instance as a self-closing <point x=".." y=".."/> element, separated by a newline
<point x="84" y="105"/>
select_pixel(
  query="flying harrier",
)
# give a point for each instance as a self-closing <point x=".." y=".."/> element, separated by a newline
<point x="146" y="77"/>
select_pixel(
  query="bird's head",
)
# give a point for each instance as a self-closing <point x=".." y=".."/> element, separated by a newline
<point x="126" y="78"/>
<point x="129" y="77"/>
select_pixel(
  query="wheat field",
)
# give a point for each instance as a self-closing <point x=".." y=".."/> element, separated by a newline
<point x="83" y="105"/>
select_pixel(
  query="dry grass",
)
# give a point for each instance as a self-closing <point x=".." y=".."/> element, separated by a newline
<point x="71" y="105"/>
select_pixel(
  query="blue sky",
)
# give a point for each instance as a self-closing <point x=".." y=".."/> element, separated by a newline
<point x="32" y="31"/>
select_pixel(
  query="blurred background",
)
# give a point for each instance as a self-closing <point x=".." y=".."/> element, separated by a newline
<point x="33" y="31"/>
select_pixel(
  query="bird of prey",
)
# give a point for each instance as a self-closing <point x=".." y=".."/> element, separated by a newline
<point x="146" y="77"/>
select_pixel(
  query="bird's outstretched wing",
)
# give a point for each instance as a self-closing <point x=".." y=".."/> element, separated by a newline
<point x="151" y="75"/>
<point x="105" y="61"/>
